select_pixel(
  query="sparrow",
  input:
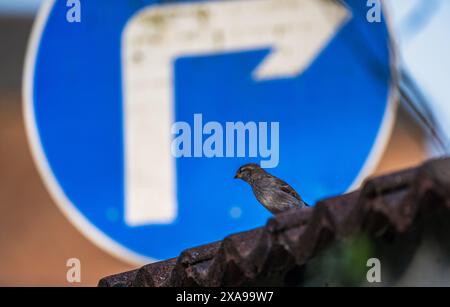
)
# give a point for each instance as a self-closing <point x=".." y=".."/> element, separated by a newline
<point x="273" y="193"/>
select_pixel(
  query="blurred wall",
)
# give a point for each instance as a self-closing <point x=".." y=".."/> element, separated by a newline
<point x="36" y="239"/>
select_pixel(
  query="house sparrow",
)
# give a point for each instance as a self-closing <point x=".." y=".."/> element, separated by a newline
<point x="273" y="193"/>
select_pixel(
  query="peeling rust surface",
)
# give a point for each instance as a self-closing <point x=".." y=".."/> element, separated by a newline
<point x="266" y="256"/>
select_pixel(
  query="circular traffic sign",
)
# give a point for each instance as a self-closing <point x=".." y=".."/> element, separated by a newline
<point x="307" y="82"/>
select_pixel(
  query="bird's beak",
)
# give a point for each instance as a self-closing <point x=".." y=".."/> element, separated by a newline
<point x="237" y="176"/>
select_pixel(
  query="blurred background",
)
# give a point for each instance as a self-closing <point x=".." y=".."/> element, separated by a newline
<point x="36" y="239"/>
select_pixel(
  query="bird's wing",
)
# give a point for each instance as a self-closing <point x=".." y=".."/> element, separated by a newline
<point x="288" y="189"/>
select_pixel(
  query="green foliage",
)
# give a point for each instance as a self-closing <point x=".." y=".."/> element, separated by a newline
<point x="344" y="264"/>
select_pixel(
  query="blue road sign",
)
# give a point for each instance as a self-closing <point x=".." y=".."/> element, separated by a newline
<point x="131" y="107"/>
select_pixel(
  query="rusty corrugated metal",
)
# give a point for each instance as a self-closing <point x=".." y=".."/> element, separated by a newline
<point x="267" y="255"/>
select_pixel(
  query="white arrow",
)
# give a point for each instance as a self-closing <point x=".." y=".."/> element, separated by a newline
<point x="296" y="30"/>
